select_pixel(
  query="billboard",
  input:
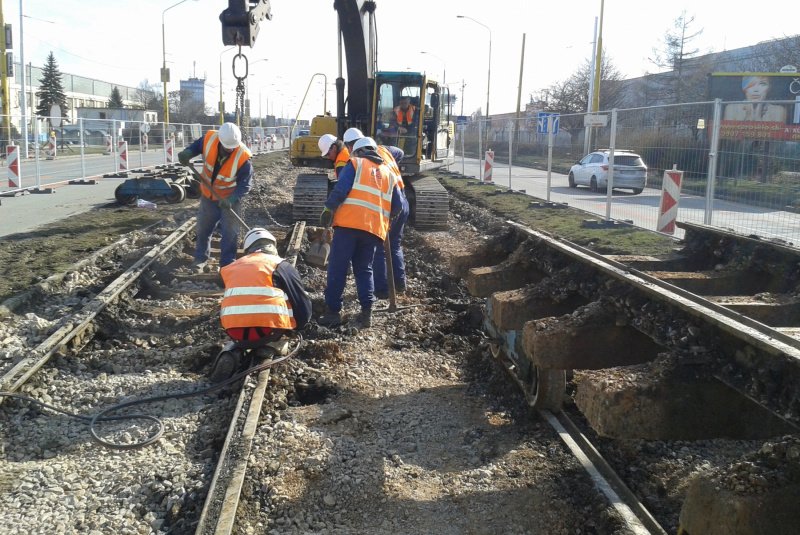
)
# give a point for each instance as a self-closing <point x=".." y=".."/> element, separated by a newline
<point x="749" y="109"/>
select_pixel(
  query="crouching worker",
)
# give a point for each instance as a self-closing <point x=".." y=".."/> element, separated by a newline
<point x="264" y="300"/>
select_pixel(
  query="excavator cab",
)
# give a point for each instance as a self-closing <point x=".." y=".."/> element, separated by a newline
<point x="411" y="111"/>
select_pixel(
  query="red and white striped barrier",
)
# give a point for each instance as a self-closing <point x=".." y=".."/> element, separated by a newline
<point x="272" y="140"/>
<point x="487" y="166"/>
<point x="51" y="146"/>
<point x="169" y="148"/>
<point x="108" y="145"/>
<point x="122" y="156"/>
<point x="12" y="158"/>
<point x="144" y="143"/>
<point x="670" y="195"/>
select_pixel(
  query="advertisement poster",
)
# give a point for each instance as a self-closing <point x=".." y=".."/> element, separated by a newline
<point x="749" y="107"/>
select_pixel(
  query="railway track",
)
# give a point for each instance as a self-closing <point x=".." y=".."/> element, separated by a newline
<point x="338" y="441"/>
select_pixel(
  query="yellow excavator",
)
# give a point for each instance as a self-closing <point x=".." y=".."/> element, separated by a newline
<point x="371" y="105"/>
<point x="371" y="102"/>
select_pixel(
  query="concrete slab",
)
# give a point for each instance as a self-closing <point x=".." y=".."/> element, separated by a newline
<point x="665" y="400"/>
<point x="510" y="310"/>
<point x="484" y="281"/>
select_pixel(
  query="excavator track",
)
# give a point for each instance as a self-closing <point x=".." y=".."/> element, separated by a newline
<point x="429" y="203"/>
<point x="310" y="194"/>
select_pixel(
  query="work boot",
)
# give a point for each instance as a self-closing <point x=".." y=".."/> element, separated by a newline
<point x="264" y="353"/>
<point x="199" y="267"/>
<point x="400" y="289"/>
<point x="330" y="319"/>
<point x="382" y="294"/>
<point x="227" y="363"/>
<point x="365" y="317"/>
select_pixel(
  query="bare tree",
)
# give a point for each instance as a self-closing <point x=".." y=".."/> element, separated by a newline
<point x="685" y="79"/>
<point x="147" y="96"/>
<point x="773" y="55"/>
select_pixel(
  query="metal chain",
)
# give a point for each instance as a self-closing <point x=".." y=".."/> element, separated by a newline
<point x="240" y="87"/>
<point x="263" y="203"/>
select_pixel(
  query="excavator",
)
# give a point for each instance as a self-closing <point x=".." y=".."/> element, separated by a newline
<point x="369" y="104"/>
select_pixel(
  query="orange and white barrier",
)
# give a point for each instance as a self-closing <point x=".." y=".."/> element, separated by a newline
<point x="487" y="166"/>
<point x="144" y="143"/>
<point x="51" y="146"/>
<point x="108" y="145"/>
<point x="670" y="196"/>
<point x="12" y="158"/>
<point x="122" y="156"/>
<point x="169" y="149"/>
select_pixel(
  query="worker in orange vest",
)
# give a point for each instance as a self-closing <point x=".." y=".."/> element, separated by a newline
<point x="391" y="155"/>
<point x="227" y="167"/>
<point x="360" y="207"/>
<point x="264" y="299"/>
<point x="404" y="122"/>
<point x="334" y="149"/>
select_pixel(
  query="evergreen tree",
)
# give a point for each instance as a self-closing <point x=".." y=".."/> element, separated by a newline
<point x="51" y="91"/>
<point x="115" y="99"/>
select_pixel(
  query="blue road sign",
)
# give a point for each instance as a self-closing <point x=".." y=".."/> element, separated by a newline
<point x="543" y="122"/>
<point x="461" y="119"/>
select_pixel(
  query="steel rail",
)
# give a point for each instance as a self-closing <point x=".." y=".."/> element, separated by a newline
<point x="742" y="327"/>
<point x="81" y="320"/>
<point x="636" y="517"/>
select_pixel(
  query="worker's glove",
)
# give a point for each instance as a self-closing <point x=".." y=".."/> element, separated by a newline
<point x="227" y="204"/>
<point x="184" y="156"/>
<point x="326" y="218"/>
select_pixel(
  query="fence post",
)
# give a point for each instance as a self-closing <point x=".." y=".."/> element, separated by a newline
<point x="510" y="150"/>
<point x="480" y="150"/>
<point x="36" y="153"/>
<point x="712" y="162"/>
<point x="463" y="164"/>
<point x="550" y="127"/>
<point x="610" y="182"/>
<point x="82" y="142"/>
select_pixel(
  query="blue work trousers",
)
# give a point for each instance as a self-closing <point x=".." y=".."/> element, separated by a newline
<point x="398" y="263"/>
<point x="208" y="216"/>
<point x="356" y="246"/>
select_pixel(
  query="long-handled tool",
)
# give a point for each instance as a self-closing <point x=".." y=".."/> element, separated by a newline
<point x="197" y="176"/>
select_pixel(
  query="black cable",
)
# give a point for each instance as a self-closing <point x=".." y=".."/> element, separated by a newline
<point x="102" y="415"/>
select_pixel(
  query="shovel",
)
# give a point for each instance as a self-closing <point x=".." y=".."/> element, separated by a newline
<point x="320" y="250"/>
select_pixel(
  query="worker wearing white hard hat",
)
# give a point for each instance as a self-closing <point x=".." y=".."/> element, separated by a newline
<point x="227" y="169"/>
<point x="333" y="149"/>
<point x="360" y="207"/>
<point x="264" y="300"/>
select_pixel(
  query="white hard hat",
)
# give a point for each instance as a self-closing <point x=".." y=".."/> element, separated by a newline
<point x="230" y="136"/>
<point x="352" y="134"/>
<point x="325" y="143"/>
<point x="365" y="143"/>
<point x="255" y="235"/>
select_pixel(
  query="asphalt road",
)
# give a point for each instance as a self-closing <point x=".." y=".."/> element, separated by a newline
<point x="642" y="209"/>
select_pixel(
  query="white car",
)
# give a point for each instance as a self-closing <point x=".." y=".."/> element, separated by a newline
<point x="630" y="172"/>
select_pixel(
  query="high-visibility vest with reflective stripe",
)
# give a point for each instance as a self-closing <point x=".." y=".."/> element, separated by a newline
<point x="341" y="160"/>
<point x="226" y="178"/>
<point x="409" y="115"/>
<point x="250" y="299"/>
<point x="368" y="206"/>
<point x="389" y="160"/>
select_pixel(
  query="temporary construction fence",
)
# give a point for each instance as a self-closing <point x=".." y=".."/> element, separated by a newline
<point x="57" y="153"/>
<point x="739" y="175"/>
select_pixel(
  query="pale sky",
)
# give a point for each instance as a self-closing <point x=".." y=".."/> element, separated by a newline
<point x="121" y="42"/>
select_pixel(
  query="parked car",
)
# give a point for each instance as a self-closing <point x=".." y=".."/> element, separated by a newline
<point x="630" y="171"/>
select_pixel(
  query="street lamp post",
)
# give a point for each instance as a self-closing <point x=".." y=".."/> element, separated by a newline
<point x="164" y="61"/>
<point x="444" y="66"/>
<point x="489" y="75"/>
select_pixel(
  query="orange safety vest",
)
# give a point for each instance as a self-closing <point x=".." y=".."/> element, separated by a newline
<point x="389" y="160"/>
<point x="226" y="178"/>
<point x="250" y="300"/>
<point x="341" y="160"/>
<point x="409" y="115"/>
<point x="368" y="206"/>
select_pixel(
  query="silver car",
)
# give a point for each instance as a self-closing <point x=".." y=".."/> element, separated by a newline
<point x="630" y="172"/>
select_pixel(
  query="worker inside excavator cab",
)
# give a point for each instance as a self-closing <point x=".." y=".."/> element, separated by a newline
<point x="402" y="112"/>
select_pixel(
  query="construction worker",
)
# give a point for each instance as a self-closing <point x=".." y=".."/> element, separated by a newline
<point x="334" y="149"/>
<point x="403" y="122"/>
<point x="264" y="298"/>
<point x="227" y="168"/>
<point x="390" y="155"/>
<point x="360" y="206"/>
